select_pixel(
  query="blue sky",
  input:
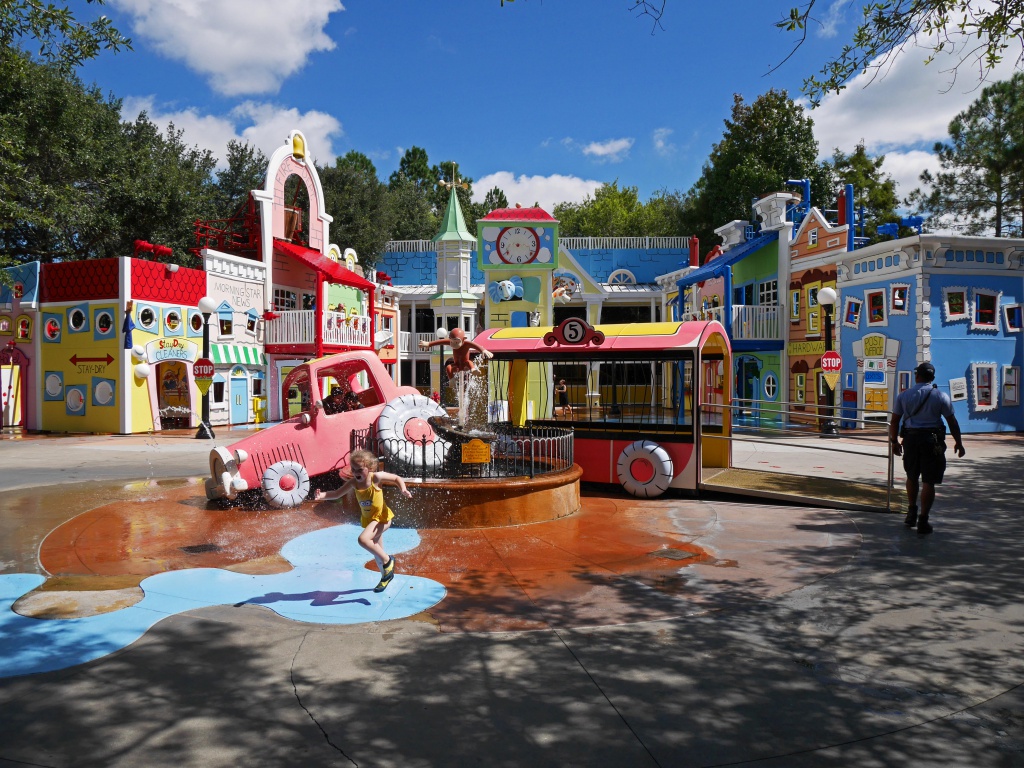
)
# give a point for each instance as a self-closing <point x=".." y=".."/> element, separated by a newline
<point x="545" y="98"/>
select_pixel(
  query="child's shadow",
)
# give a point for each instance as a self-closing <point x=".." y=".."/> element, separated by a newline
<point x="317" y="598"/>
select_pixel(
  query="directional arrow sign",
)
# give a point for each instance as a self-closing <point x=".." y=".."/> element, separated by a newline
<point x="75" y="360"/>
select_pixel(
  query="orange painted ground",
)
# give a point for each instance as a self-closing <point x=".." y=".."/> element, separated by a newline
<point x="617" y="561"/>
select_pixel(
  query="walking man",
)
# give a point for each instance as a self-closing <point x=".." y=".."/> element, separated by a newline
<point x="922" y="409"/>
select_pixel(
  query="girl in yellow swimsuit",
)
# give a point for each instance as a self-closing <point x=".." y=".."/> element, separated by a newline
<point x="366" y="483"/>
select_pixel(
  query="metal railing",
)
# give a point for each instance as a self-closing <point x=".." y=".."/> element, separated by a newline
<point x="569" y="243"/>
<point x="299" y="327"/>
<point x="515" y="452"/>
<point x="773" y="425"/>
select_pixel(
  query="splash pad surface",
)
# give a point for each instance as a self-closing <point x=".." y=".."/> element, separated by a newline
<point x="619" y="560"/>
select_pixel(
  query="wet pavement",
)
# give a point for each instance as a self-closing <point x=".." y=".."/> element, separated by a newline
<point x="678" y="631"/>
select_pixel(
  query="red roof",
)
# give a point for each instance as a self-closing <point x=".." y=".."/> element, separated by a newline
<point x="91" y="279"/>
<point x="518" y="214"/>
<point x="153" y="281"/>
<point x="331" y="269"/>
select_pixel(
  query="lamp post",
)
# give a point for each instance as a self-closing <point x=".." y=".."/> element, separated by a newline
<point x="827" y="299"/>
<point x="207" y="306"/>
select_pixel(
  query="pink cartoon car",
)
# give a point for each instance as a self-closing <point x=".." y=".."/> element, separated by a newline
<point x="331" y="397"/>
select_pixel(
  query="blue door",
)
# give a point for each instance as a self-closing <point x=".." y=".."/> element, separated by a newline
<point x="239" y="399"/>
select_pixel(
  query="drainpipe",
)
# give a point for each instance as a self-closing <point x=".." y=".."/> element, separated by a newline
<point x="727" y="302"/>
<point x="849" y="216"/>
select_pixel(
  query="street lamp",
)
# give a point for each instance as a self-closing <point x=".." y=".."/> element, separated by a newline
<point x="207" y="306"/>
<point x="827" y="299"/>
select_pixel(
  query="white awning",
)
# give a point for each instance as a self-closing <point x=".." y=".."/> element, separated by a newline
<point x="231" y="354"/>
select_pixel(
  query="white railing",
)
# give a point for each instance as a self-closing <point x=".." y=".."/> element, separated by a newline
<point x="569" y="243"/>
<point x="750" y="322"/>
<point x="299" y="327"/>
<point x="403" y="342"/>
<point x="756" y="323"/>
<point x="613" y="243"/>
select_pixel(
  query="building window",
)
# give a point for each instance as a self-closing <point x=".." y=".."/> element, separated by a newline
<point x="794" y="306"/>
<point x="904" y="379"/>
<point x="257" y="387"/>
<point x="954" y="304"/>
<point x="1012" y="317"/>
<point x="985" y="386"/>
<point x="812" y="237"/>
<point x="284" y="300"/>
<point x="801" y="383"/>
<point x="851" y="313"/>
<point x="76" y="319"/>
<point x="986" y="310"/>
<point x="771" y="386"/>
<point x="172" y="321"/>
<point x="900" y="299"/>
<point x="226" y="325"/>
<point x="218" y="391"/>
<point x="768" y="293"/>
<point x="147" y="318"/>
<point x="1011" y="385"/>
<point x="876" y="307"/>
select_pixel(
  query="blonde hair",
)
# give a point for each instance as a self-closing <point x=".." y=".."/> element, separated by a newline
<point x="364" y="459"/>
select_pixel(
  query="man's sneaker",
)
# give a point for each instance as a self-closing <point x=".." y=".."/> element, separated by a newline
<point x="911" y="519"/>
<point x="923" y="526"/>
<point x="384" y="581"/>
<point x="389" y="568"/>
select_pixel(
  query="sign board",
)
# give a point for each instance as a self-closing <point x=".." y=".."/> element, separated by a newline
<point x="958" y="389"/>
<point x="831" y="362"/>
<point x="202" y="372"/>
<point x="476" y="452"/>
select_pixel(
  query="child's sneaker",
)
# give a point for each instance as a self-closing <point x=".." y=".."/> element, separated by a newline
<point x="389" y="568"/>
<point x="384" y="581"/>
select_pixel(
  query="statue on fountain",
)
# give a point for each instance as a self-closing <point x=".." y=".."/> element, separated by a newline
<point x="461" y="349"/>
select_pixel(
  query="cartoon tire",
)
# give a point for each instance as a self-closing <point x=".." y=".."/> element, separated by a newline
<point x="645" y="469"/>
<point x="285" y="484"/>
<point x="404" y="431"/>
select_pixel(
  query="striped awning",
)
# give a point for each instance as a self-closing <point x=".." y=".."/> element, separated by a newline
<point x="228" y="354"/>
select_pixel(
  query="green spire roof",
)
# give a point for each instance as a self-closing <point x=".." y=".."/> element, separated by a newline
<point x="453" y="227"/>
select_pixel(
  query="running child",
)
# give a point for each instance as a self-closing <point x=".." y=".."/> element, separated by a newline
<point x="366" y="483"/>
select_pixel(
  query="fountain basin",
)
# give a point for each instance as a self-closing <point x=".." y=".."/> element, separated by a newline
<point x="488" y="502"/>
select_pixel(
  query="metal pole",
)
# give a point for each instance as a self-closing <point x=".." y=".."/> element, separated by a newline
<point x="828" y="428"/>
<point x="205" y="431"/>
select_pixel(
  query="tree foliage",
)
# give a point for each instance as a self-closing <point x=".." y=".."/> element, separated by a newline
<point x="618" y="212"/>
<point x="980" y="187"/>
<point x="245" y="171"/>
<point x="977" y="33"/>
<point x="358" y="201"/>
<point x="766" y="143"/>
<point x="54" y="34"/>
<point x="874" y="191"/>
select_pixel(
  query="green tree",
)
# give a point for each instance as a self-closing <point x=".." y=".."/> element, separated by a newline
<point x="493" y="200"/>
<point x="873" y="190"/>
<point x="358" y="201"/>
<point x="978" y="34"/>
<point x="415" y="167"/>
<point x="766" y="143"/>
<point x="619" y="212"/>
<point x="980" y="187"/>
<point x="245" y="171"/>
<point x="55" y="34"/>
<point x="410" y="214"/>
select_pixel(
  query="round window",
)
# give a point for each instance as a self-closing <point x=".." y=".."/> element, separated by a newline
<point x="147" y="318"/>
<point x="76" y="320"/>
<point x="172" y="321"/>
<point x="104" y="322"/>
<point x="52" y="329"/>
<point x="771" y="386"/>
<point x="196" y="322"/>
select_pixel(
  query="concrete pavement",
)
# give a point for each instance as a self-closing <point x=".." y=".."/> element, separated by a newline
<point x="903" y="651"/>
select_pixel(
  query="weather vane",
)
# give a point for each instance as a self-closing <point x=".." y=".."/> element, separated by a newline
<point x="456" y="182"/>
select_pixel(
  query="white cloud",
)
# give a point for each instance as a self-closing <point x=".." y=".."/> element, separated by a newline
<point x="908" y="105"/>
<point x="828" y="26"/>
<point x="612" y="151"/>
<point x="906" y="167"/>
<point x="240" y="46"/>
<point x="527" y="190"/>
<point x="661" y="143"/>
<point x="263" y="125"/>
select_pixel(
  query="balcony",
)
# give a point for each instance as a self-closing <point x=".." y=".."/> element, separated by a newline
<point x="299" y="327"/>
<point x="750" y="322"/>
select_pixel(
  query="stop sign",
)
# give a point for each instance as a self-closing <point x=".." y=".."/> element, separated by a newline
<point x="203" y="368"/>
<point x="831" y="362"/>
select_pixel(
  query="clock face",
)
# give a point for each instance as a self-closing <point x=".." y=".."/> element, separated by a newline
<point x="518" y="245"/>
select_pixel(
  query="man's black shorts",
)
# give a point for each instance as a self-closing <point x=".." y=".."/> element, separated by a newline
<point x="922" y="458"/>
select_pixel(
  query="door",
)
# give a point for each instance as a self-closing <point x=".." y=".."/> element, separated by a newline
<point x="11" y="394"/>
<point x="174" y="401"/>
<point x="239" y="397"/>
